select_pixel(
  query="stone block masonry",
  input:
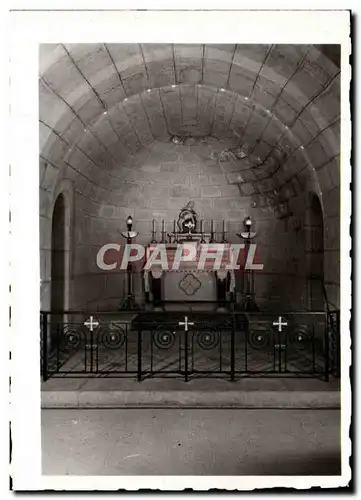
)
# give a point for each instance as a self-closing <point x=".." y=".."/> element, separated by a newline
<point x="108" y="113"/>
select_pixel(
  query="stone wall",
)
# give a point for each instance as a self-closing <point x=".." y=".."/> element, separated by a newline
<point x="107" y="115"/>
<point x="163" y="179"/>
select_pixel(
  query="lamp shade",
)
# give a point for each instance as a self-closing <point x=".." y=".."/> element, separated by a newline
<point x="129" y="220"/>
<point x="248" y="222"/>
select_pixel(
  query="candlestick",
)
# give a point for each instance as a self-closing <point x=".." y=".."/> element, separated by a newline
<point x="163" y="231"/>
<point x="223" y="231"/>
<point x="153" y="232"/>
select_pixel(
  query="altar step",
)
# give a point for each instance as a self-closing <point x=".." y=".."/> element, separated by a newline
<point x="197" y="393"/>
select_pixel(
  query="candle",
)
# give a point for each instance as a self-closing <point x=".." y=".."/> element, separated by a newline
<point x="162" y="235"/>
<point x="174" y="226"/>
<point x="224" y="231"/>
<point x="153" y="232"/>
<point x="212" y="229"/>
<point x="201" y="229"/>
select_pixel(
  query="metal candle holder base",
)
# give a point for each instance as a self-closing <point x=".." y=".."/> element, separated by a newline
<point x="249" y="304"/>
<point x="129" y="303"/>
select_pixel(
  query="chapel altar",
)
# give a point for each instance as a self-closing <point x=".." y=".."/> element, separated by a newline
<point x="184" y="281"/>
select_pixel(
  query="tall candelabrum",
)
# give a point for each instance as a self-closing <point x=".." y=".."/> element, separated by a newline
<point x="249" y="303"/>
<point x="129" y="301"/>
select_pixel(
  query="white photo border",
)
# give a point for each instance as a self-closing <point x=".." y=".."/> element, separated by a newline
<point x="28" y="30"/>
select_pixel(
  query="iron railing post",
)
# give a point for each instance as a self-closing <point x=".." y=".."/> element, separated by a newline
<point x="44" y="334"/>
<point x="279" y="340"/>
<point x="57" y="348"/>
<point x="91" y="350"/>
<point x="246" y="338"/>
<point x="338" y="344"/>
<point x="186" y="354"/>
<point x="139" y="352"/>
<point x="327" y="354"/>
<point x="233" y="347"/>
<point x="313" y="350"/>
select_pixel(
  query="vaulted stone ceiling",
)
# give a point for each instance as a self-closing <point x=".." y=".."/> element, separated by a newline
<point x="141" y="129"/>
<point x="278" y="106"/>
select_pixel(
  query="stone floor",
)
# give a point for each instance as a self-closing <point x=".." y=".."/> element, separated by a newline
<point x="191" y="442"/>
<point x="197" y="393"/>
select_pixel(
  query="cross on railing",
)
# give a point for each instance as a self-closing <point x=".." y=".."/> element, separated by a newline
<point x="279" y="323"/>
<point x="90" y="323"/>
<point x="186" y="323"/>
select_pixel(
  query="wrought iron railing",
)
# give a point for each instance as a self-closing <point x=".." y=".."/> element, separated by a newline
<point x="226" y="344"/>
<point x="333" y="323"/>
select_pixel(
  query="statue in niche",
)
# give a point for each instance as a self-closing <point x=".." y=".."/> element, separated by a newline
<point x="187" y="220"/>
